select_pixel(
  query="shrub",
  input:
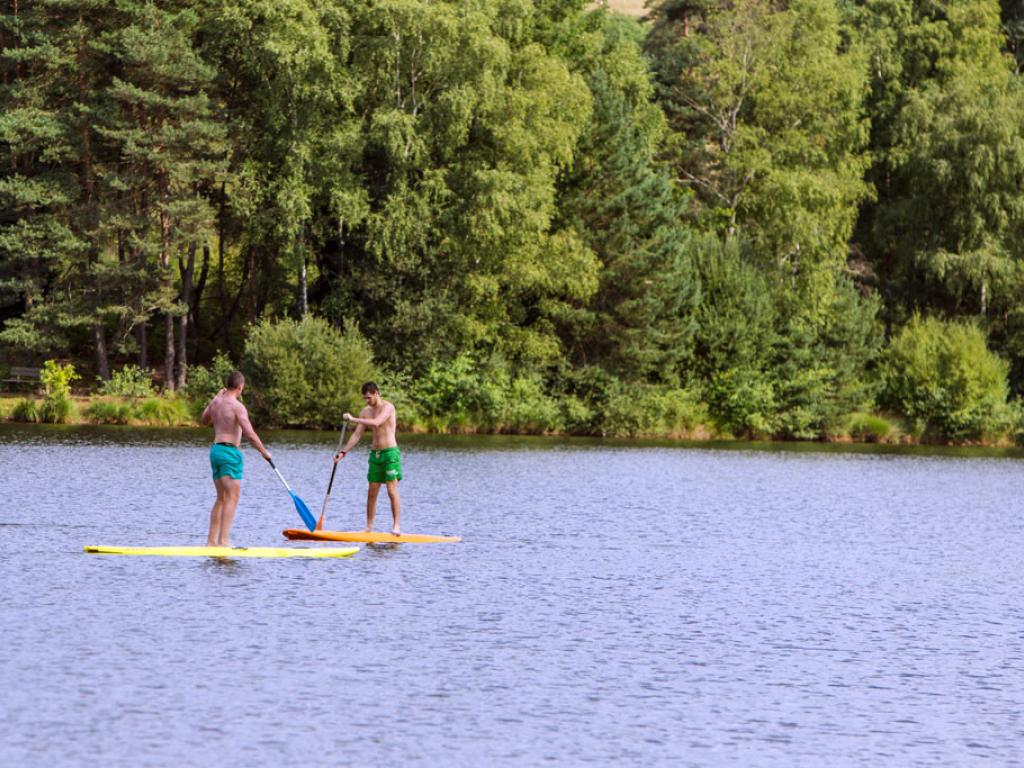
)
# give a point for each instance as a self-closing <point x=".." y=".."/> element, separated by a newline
<point x="528" y="407"/>
<point x="57" y="378"/>
<point x="306" y="373"/>
<point x="942" y="376"/>
<point x="204" y="382"/>
<point x="57" y="410"/>
<point x="26" y="410"/>
<point x="743" y="401"/>
<point x="645" y="410"/>
<point x="109" y="412"/>
<point x="57" y="407"/>
<point x="164" y="411"/>
<point x="871" y="428"/>
<point x="130" y="381"/>
<point x="156" y="411"/>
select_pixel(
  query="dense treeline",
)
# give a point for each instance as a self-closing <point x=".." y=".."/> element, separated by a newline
<point x="761" y="218"/>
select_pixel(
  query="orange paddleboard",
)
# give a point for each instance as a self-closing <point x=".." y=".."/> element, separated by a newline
<point x="363" y="536"/>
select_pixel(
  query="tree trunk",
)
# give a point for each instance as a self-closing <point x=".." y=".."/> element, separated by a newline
<point x="186" y="271"/>
<point x="303" y="289"/>
<point x="100" y="342"/>
<point x="197" y="298"/>
<point x="247" y="268"/>
<point x="169" y="351"/>
<point x="142" y="339"/>
<point x="165" y="264"/>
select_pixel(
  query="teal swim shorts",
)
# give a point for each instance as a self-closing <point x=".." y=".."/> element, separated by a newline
<point x="385" y="465"/>
<point x="225" y="461"/>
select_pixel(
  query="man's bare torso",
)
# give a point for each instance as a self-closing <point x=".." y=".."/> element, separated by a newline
<point x="224" y="413"/>
<point x="383" y="435"/>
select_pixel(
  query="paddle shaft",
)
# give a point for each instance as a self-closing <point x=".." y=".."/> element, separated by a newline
<point x="334" y="469"/>
<point x="300" y="505"/>
<point x="271" y="463"/>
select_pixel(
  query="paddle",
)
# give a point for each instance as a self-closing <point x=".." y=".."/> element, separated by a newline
<point x="323" y="509"/>
<point x="300" y="505"/>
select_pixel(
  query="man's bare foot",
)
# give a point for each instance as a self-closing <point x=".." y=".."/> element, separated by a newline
<point x="396" y="532"/>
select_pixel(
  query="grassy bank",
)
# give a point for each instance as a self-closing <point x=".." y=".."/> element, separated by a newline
<point x="172" y="411"/>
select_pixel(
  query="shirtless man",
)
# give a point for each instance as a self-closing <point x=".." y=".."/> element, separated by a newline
<point x="385" y="458"/>
<point x="230" y="421"/>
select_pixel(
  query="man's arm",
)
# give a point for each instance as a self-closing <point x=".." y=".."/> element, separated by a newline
<point x="249" y="432"/>
<point x="385" y="414"/>
<point x="207" y="417"/>
<point x="357" y="435"/>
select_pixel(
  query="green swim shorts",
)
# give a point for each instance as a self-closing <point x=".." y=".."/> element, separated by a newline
<point x="225" y="461"/>
<point x="385" y="465"/>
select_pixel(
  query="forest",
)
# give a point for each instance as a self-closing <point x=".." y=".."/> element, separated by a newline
<point x="789" y="219"/>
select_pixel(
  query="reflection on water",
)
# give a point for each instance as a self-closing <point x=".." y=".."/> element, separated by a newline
<point x="611" y="603"/>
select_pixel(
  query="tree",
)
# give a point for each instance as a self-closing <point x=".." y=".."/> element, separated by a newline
<point x="451" y="244"/>
<point x="619" y="198"/>
<point x="765" y="101"/>
<point x="167" y="150"/>
<point x="55" y="68"/>
<point x="950" y="157"/>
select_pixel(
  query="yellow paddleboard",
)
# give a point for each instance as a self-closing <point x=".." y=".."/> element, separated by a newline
<point x="225" y="551"/>
<point x="363" y="536"/>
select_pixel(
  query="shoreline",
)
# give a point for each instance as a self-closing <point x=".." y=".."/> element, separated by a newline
<point x="699" y="433"/>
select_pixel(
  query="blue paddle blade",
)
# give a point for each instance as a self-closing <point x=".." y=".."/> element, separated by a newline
<point x="304" y="513"/>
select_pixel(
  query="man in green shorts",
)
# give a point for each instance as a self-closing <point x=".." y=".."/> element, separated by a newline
<point x="385" y="458"/>
<point x="230" y="421"/>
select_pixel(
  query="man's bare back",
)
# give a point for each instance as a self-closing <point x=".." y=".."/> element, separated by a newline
<point x="230" y="420"/>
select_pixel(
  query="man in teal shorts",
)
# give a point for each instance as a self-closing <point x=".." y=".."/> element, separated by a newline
<point x="385" y="458"/>
<point x="230" y="421"/>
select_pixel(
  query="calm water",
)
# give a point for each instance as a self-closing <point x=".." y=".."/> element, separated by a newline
<point x="611" y="604"/>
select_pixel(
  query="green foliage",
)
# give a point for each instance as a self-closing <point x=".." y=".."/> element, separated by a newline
<point x="154" y="411"/>
<point x="766" y="367"/>
<point x="537" y="227"/>
<point x="872" y="428"/>
<point x="943" y="377"/>
<point x="639" y="322"/>
<point x="163" y="411"/>
<point x="306" y="374"/>
<point x="643" y="410"/>
<point x="130" y="381"/>
<point x="57" y="406"/>
<point x="465" y="394"/>
<point x="204" y="382"/>
<point x="766" y="103"/>
<point x="57" y="378"/>
<point x="110" y="412"/>
<point x="57" y="410"/>
<point x="26" y="410"/>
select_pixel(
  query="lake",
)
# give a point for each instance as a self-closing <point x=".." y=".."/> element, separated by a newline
<point x="612" y="603"/>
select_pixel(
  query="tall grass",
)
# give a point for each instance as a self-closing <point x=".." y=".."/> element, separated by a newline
<point x="152" y="411"/>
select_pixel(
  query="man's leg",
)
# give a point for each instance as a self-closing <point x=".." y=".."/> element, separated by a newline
<point x="215" y="515"/>
<point x="396" y="506"/>
<point x="232" y="492"/>
<point x="371" y="504"/>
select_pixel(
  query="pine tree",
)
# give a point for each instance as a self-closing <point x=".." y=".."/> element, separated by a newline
<point x="166" y="158"/>
<point x="54" y="72"/>
<point x="639" y="323"/>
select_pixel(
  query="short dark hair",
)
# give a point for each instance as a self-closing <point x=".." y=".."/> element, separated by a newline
<point x="369" y="387"/>
<point x="234" y="380"/>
